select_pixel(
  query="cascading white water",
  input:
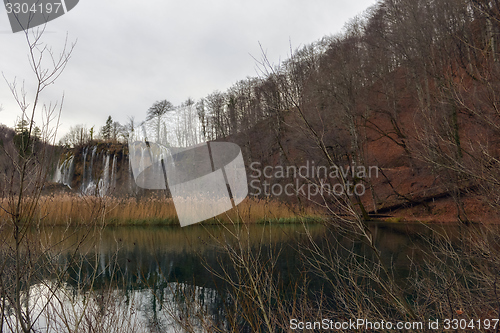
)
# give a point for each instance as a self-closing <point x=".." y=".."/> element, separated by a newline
<point x="84" y="153"/>
<point x="91" y="184"/>
<point x="88" y="185"/>
<point x="94" y="149"/>
<point x="104" y="181"/>
<point x="57" y="174"/>
<point x="113" y="173"/>
<point x="64" y="171"/>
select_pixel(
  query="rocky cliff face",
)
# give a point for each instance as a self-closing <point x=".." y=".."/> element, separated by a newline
<point x="96" y="169"/>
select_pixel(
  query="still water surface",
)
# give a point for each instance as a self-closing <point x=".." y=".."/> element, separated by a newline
<point x="150" y="278"/>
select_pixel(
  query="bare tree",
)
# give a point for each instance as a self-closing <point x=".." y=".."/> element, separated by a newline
<point x="215" y="104"/>
<point x="77" y="135"/>
<point x="30" y="171"/>
<point x="156" y="114"/>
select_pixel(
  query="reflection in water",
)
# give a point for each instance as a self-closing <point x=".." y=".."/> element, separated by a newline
<point x="139" y="278"/>
<point x="155" y="279"/>
<point x="116" y="310"/>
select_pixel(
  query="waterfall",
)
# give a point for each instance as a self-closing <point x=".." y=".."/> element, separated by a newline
<point x="84" y="153"/>
<point x="88" y="184"/>
<point x="113" y="173"/>
<point x="104" y="181"/>
<point x="57" y="174"/>
<point x="91" y="177"/>
<point x="101" y="185"/>
<point x="64" y="171"/>
<point x="96" y="172"/>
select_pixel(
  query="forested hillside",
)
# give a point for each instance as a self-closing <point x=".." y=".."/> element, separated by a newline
<point x="410" y="86"/>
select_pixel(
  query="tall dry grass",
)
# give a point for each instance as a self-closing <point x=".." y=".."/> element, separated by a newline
<point x="64" y="209"/>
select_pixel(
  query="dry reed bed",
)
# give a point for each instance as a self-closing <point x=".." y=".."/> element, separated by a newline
<point x="66" y="209"/>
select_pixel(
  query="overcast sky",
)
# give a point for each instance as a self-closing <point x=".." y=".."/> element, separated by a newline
<point x="129" y="54"/>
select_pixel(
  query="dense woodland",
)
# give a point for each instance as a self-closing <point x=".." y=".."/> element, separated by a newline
<point x="411" y="87"/>
<point x="408" y="86"/>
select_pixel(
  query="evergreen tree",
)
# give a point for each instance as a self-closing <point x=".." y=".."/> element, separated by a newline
<point x="107" y="130"/>
<point x="22" y="138"/>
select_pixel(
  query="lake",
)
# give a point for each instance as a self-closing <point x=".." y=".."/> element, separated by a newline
<point x="170" y="279"/>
